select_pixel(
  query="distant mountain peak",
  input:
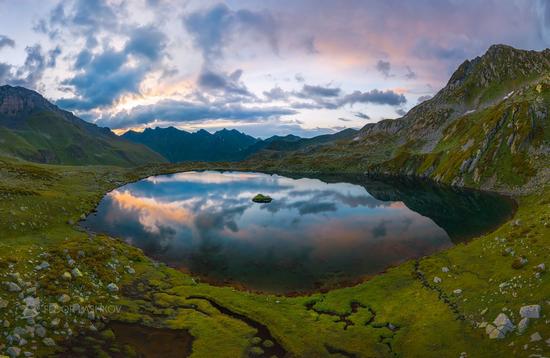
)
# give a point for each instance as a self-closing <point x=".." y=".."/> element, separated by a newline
<point x="16" y="101"/>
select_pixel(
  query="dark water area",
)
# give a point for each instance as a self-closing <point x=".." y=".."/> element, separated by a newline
<point x="315" y="233"/>
<point x="149" y="342"/>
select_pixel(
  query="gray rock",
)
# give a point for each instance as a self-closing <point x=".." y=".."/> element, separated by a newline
<point x="31" y="302"/>
<point x="29" y="313"/>
<point x="40" y="331"/>
<point x="522" y="325"/>
<point x="437" y="279"/>
<point x="64" y="298"/>
<point x="13" y="287"/>
<point x="76" y="272"/>
<point x="44" y="265"/>
<point x="458" y="291"/>
<point x="13" y="351"/>
<point x="3" y="303"/>
<point x="445" y="269"/>
<point x="531" y="311"/>
<point x="535" y="337"/>
<point x="493" y="332"/>
<point x="503" y="323"/>
<point x="48" y="342"/>
<point x="112" y="287"/>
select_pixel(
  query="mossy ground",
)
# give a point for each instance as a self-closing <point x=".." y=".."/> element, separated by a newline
<point x="398" y="313"/>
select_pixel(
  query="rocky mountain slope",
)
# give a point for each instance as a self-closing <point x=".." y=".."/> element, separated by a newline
<point x="34" y="129"/>
<point x="226" y="145"/>
<point x="179" y="146"/>
<point x="488" y="127"/>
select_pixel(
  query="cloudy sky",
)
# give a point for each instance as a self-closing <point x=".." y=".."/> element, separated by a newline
<point x="263" y="67"/>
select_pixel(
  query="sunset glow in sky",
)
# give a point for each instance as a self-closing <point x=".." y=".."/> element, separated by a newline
<point x="263" y="67"/>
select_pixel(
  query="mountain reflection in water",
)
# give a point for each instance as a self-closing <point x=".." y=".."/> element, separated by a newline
<point x="314" y="233"/>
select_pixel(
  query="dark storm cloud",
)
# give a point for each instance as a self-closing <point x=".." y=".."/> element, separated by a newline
<point x="104" y="76"/>
<point x="361" y="115"/>
<point x="223" y="84"/>
<point x="147" y="41"/>
<point x="214" y="27"/>
<point x="6" y="42"/>
<point x="31" y="72"/>
<point x="374" y="96"/>
<point x="309" y="91"/>
<point x="182" y="111"/>
<point x="384" y="67"/>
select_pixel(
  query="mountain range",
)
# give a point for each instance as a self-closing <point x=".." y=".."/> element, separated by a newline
<point x="488" y="127"/>
<point x="34" y="129"/>
<point x="225" y="145"/>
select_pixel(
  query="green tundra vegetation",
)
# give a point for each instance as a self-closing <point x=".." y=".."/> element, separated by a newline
<point x="402" y="312"/>
<point x="490" y="133"/>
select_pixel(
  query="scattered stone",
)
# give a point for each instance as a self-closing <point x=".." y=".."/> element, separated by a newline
<point x="540" y="268"/>
<point x="522" y="325"/>
<point x="531" y="311"/>
<point x="130" y="270"/>
<point x="535" y="337"/>
<point x="76" y="272"/>
<point x="64" y="298"/>
<point x="458" y="291"/>
<point x="40" y="331"/>
<point x="519" y="262"/>
<point x="445" y="269"/>
<point x="493" y="332"/>
<point x="13" y="287"/>
<point x="48" y="342"/>
<point x="484" y="311"/>
<point x="29" y="313"/>
<point x="44" y="265"/>
<point x="437" y="279"/>
<point x="3" y="303"/>
<point x="13" y="352"/>
<point x="66" y="276"/>
<point x="112" y="287"/>
<point x="503" y="323"/>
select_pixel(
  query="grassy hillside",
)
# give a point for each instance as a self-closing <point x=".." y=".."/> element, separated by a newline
<point x="33" y="129"/>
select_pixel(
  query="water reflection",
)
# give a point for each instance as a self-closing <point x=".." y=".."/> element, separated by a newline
<point x="313" y="233"/>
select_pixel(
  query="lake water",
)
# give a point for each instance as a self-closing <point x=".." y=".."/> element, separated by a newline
<point x="316" y="233"/>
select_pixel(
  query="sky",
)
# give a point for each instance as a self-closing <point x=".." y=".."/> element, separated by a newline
<point x="262" y="67"/>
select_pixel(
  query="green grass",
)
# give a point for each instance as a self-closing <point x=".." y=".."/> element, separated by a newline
<point x="39" y="201"/>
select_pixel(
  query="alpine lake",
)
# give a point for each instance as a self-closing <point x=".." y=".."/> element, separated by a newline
<point x="315" y="234"/>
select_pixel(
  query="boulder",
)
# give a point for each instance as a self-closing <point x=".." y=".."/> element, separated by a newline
<point x="531" y="311"/>
<point x="535" y="337"/>
<point x="503" y="323"/>
<point x="13" y="287"/>
<point x="76" y="272"/>
<point x="13" y="352"/>
<point x="522" y="325"/>
<point x="112" y="287"/>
